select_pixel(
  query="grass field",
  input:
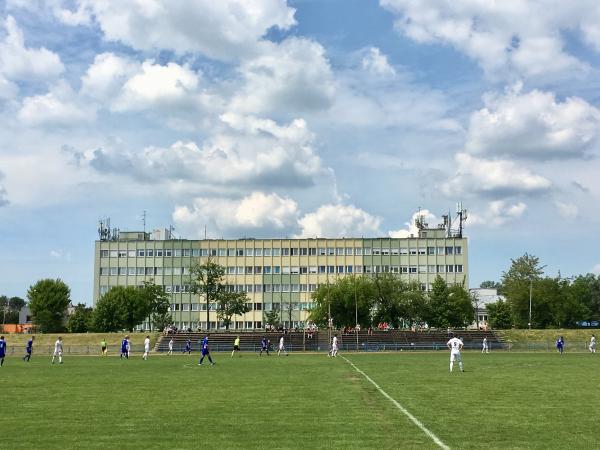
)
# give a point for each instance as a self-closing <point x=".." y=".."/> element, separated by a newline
<point x="503" y="400"/>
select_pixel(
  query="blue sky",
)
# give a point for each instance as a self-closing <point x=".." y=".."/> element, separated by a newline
<point x="299" y="118"/>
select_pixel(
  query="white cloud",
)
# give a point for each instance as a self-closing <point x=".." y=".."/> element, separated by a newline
<point x="18" y="62"/>
<point x="504" y="37"/>
<point x="293" y="75"/>
<point x="339" y="221"/>
<point x="3" y="196"/>
<point x="59" y="107"/>
<point x="224" y="29"/>
<point x="493" y="177"/>
<point x="256" y="213"/>
<point x="595" y="269"/>
<point x="106" y="76"/>
<point x="567" y="210"/>
<point x="247" y="151"/>
<point x="533" y="125"/>
<point x="377" y="63"/>
<point x="8" y="89"/>
<point x="497" y="213"/>
<point x="411" y="227"/>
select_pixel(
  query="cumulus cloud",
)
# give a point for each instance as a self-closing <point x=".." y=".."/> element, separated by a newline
<point x="223" y="29"/>
<point x="411" y="227"/>
<point x="496" y="177"/>
<point x="248" y="151"/>
<point x="17" y="62"/>
<point x="339" y="220"/>
<point x="106" y="76"/>
<point x="3" y="194"/>
<point x="256" y="213"/>
<point x="377" y="63"/>
<point x="497" y="213"/>
<point x="59" y="107"/>
<point x="293" y="75"/>
<point x="595" y="269"/>
<point x="567" y="210"/>
<point x="533" y="125"/>
<point x="503" y="37"/>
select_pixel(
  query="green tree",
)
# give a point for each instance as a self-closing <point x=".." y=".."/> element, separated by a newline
<point x="586" y="288"/>
<point x="499" y="315"/>
<point x="48" y="301"/>
<point x="231" y="304"/>
<point x="524" y="273"/>
<point x="271" y="318"/>
<point x="122" y="307"/>
<point x="10" y="307"/>
<point x="460" y="312"/>
<point x="159" y="302"/>
<point x="389" y="304"/>
<point x="346" y="296"/>
<point x="207" y="282"/>
<point x="437" y="311"/>
<point x="80" y="321"/>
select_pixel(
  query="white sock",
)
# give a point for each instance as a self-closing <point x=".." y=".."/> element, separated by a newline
<point x="460" y="365"/>
<point x="451" y="365"/>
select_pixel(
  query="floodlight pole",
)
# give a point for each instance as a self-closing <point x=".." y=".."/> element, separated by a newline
<point x="355" y="310"/>
<point x="530" y="296"/>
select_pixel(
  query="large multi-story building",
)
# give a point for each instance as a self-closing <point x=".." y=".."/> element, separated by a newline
<point x="276" y="274"/>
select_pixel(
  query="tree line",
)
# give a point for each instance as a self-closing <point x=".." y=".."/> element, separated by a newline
<point x="556" y="301"/>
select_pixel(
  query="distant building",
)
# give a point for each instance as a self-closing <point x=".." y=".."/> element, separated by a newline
<point x="276" y="274"/>
<point x="484" y="297"/>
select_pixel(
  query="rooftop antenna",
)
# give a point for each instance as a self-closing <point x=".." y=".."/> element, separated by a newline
<point x="462" y="217"/>
<point x="144" y="220"/>
<point x="204" y="231"/>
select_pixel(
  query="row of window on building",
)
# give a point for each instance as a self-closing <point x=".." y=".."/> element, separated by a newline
<point x="300" y="270"/>
<point x="304" y="251"/>
<point x="282" y="306"/>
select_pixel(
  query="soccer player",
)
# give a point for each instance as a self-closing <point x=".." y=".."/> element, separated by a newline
<point x="334" y="346"/>
<point x="170" y="352"/>
<point x="485" y="348"/>
<point x="455" y="345"/>
<point x="146" y="348"/>
<point x="236" y="346"/>
<point x="103" y="347"/>
<point x="592" y="346"/>
<point x="125" y="347"/>
<point x="58" y="350"/>
<point x="264" y="346"/>
<point x="560" y="345"/>
<point x="205" y="351"/>
<point x="188" y="347"/>
<point x="281" y="347"/>
<point x="2" y="350"/>
<point x="28" y="349"/>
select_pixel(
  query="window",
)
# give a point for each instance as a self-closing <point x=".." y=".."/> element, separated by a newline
<point x="266" y="270"/>
<point x="440" y="251"/>
<point x="276" y="252"/>
<point x="103" y="253"/>
<point x="168" y="252"/>
<point x="422" y="269"/>
<point x="240" y="270"/>
<point x="339" y="251"/>
<point x="385" y="251"/>
<point x="168" y="270"/>
<point x="286" y="269"/>
<point x="276" y="288"/>
<point x="258" y="287"/>
<point x="276" y="269"/>
<point x="330" y="269"/>
<point x="395" y="269"/>
<point x="122" y="270"/>
<point x="177" y="252"/>
<point x="131" y="253"/>
<point x="239" y="252"/>
<point x="368" y="269"/>
<point x="458" y="268"/>
<point x="103" y="290"/>
<point x="257" y="269"/>
<point x="303" y="270"/>
<point x="312" y="252"/>
<point x="249" y="252"/>
<point x="403" y="269"/>
<point x="159" y="252"/>
<point x="349" y="269"/>
<point x="377" y="251"/>
<point x="267" y="252"/>
<point x="149" y="270"/>
<point x="212" y="252"/>
<point x="140" y="271"/>
<point x="412" y="269"/>
<point x="367" y="251"/>
<point x="249" y="288"/>
<point x="312" y="287"/>
<point x="285" y="252"/>
<point x="267" y="287"/>
<point x="449" y="250"/>
<point x="258" y="306"/>
<point x="195" y="307"/>
<point x="358" y="269"/>
<point x="431" y="250"/>
<point x="222" y="252"/>
<point x="421" y="250"/>
<point x="103" y="270"/>
<point x="321" y="269"/>
<point x="176" y="270"/>
<point x="395" y="251"/>
<point x="312" y="269"/>
<point x="150" y="252"/>
<point x="285" y="288"/>
<point x="423" y="286"/>
<point x="258" y="252"/>
<point x="131" y="271"/>
<point x="141" y="253"/>
<point x="441" y="269"/>
<point x="458" y="250"/>
<point x="349" y="251"/>
<point x="195" y="254"/>
<point x="358" y="251"/>
<point x="322" y="251"/>
<point x="449" y="268"/>
<point x="295" y="270"/>
<point x="294" y="251"/>
<point x="113" y="253"/>
<point x="404" y="251"/>
<point x="249" y="270"/>
<point x="431" y="269"/>
<point x="330" y="251"/>
<point x="231" y="270"/>
<point x="122" y="253"/>
<point x="304" y="251"/>
<point x="340" y="269"/>
<point x="412" y="251"/>
<point x="186" y="307"/>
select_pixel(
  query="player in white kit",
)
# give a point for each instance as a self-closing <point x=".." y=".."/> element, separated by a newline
<point x="170" y="352"/>
<point x="455" y="345"/>
<point x="592" y="346"/>
<point x="58" y="350"/>
<point x="334" y="347"/>
<point x="281" y="346"/>
<point x="484" y="347"/>
<point x="146" y="347"/>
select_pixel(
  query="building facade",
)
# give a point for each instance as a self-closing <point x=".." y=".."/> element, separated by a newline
<point x="276" y="274"/>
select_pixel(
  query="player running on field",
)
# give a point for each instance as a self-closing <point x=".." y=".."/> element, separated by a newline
<point x="58" y="350"/>
<point x="592" y="346"/>
<point x="205" y="352"/>
<point x="188" y="347"/>
<point x="29" y="349"/>
<point x="455" y="345"/>
<point x="560" y="345"/>
<point x="281" y="346"/>
<point x="170" y="352"/>
<point x="125" y="347"/>
<point x="2" y="350"/>
<point x="236" y="346"/>
<point x="264" y="346"/>
<point x="104" y="347"/>
<point x="484" y="347"/>
<point x="146" y="348"/>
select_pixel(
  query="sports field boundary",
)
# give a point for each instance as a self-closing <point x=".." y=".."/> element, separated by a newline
<point x="407" y="413"/>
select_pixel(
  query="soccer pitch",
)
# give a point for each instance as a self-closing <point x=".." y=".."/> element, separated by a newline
<point x="502" y="400"/>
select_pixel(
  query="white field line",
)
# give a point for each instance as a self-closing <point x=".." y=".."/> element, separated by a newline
<point x="414" y="420"/>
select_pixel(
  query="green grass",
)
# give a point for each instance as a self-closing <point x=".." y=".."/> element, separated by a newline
<point x="78" y="338"/>
<point x="503" y="400"/>
<point x="520" y="336"/>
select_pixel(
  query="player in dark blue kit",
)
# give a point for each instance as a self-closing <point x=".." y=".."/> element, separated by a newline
<point x="560" y="345"/>
<point x="188" y="347"/>
<point x="264" y="346"/>
<point x="205" y="351"/>
<point x="125" y="347"/>
<point x="28" y="349"/>
<point x="2" y="350"/>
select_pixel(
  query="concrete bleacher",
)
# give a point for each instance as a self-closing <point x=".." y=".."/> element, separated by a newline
<point x="299" y="341"/>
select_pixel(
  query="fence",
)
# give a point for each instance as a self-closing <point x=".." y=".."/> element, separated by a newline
<point x="549" y="346"/>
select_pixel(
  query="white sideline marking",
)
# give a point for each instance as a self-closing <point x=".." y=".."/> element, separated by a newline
<point x="414" y="420"/>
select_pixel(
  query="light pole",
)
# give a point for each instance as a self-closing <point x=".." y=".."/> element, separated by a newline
<point x="530" y="296"/>
<point x="355" y="310"/>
